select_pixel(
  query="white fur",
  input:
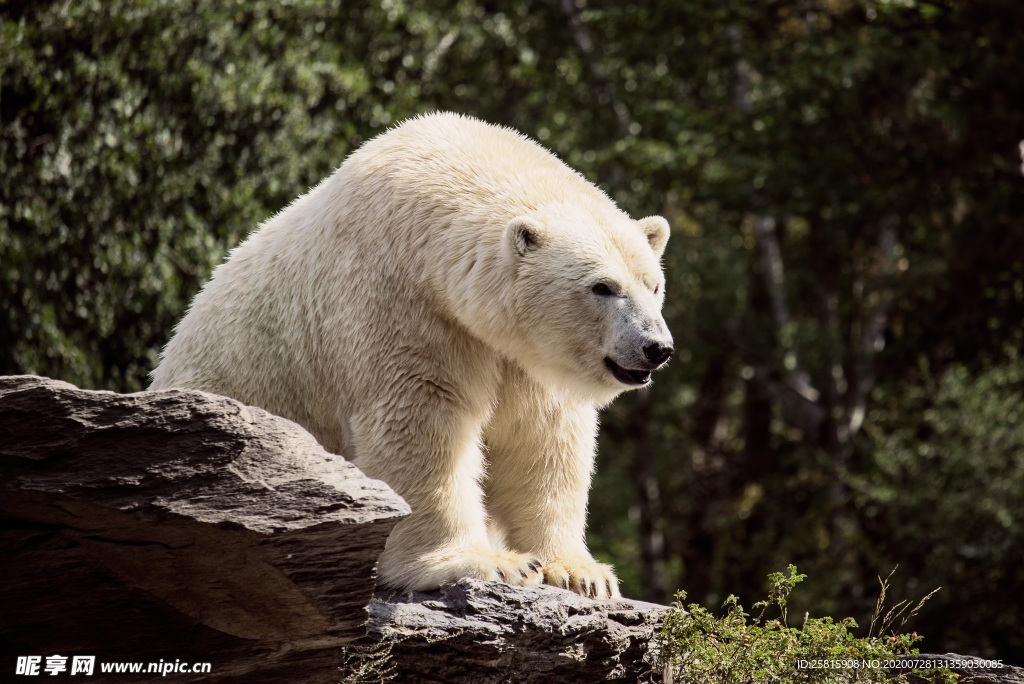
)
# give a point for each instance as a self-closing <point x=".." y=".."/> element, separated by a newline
<point x="428" y="311"/>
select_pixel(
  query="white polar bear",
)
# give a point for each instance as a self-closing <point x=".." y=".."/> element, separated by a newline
<point x="449" y="309"/>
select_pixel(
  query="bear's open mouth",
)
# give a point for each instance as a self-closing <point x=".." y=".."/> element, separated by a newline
<point x="627" y="376"/>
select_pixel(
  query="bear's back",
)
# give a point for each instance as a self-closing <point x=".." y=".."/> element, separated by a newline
<point x="446" y="163"/>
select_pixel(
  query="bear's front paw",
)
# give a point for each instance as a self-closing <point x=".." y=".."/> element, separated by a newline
<point x="481" y="563"/>
<point x="584" y="575"/>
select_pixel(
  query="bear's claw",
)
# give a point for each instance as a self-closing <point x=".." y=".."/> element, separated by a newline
<point x="452" y="564"/>
<point x="583" y="575"/>
<point x="504" y="566"/>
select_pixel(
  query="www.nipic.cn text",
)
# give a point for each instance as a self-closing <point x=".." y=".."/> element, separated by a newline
<point x="34" y="665"/>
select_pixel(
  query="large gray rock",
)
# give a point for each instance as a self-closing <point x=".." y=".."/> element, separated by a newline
<point x="180" y="525"/>
<point x="476" y="631"/>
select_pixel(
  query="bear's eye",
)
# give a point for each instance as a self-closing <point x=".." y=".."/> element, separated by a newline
<point x="657" y="288"/>
<point x="602" y="290"/>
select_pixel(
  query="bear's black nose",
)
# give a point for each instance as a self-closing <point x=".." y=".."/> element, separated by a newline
<point x="658" y="353"/>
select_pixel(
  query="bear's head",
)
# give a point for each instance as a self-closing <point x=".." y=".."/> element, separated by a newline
<point x="586" y="293"/>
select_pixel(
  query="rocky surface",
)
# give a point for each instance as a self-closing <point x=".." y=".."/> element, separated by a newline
<point x="180" y="525"/>
<point x="476" y="631"/>
<point x="970" y="670"/>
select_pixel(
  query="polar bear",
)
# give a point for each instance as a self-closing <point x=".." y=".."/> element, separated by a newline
<point x="449" y="309"/>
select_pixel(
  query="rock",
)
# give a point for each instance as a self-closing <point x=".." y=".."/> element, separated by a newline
<point x="180" y="525"/>
<point x="970" y="669"/>
<point x="476" y="631"/>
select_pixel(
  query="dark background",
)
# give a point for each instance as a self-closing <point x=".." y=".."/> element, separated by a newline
<point x="846" y="273"/>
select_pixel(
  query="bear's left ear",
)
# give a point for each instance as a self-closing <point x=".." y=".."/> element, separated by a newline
<point x="525" y="235"/>
<point x="656" y="230"/>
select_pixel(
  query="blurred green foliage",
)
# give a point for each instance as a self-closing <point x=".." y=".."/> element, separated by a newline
<point x="846" y="272"/>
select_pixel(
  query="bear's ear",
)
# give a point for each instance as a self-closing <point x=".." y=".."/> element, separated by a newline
<point x="525" y="235"/>
<point x="656" y="231"/>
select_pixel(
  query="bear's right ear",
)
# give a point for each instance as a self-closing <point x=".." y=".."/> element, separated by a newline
<point x="525" y="235"/>
<point x="656" y="231"/>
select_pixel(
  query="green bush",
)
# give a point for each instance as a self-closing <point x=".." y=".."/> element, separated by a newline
<point x="741" y="648"/>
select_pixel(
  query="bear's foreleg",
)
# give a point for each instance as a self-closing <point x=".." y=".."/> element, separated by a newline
<point x="540" y="451"/>
<point x="432" y="458"/>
